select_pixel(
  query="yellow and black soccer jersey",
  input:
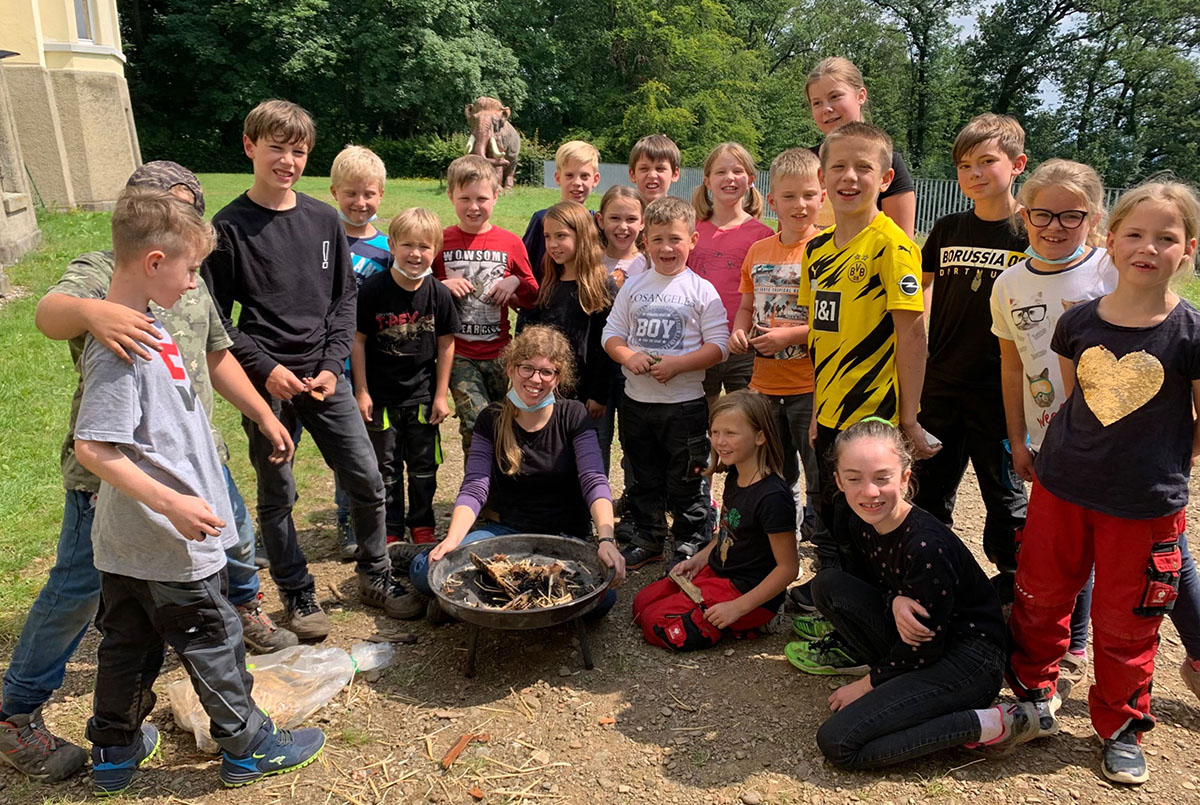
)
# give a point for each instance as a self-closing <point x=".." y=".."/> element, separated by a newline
<point x="849" y="293"/>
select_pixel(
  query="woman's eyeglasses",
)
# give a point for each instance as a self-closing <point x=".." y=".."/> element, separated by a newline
<point x="527" y="371"/>
<point x="1070" y="219"/>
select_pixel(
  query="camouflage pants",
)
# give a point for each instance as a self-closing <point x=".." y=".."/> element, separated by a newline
<point x="474" y="384"/>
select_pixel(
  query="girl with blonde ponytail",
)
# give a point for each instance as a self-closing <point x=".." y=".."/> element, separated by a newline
<point x="537" y="456"/>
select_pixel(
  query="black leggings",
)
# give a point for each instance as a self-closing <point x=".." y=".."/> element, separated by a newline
<point x="908" y="716"/>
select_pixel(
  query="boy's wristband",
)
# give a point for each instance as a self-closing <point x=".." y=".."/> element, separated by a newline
<point x="603" y="540"/>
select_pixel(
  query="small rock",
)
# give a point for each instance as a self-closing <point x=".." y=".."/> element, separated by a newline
<point x="667" y="711"/>
<point x="751" y="798"/>
<point x="605" y="783"/>
<point x="624" y="789"/>
<point x="728" y="652"/>
<point x="564" y="671"/>
<point x="739" y="755"/>
<point x="541" y="757"/>
<point x="448" y="714"/>
<point x="576" y="744"/>
<point x="1189" y="785"/>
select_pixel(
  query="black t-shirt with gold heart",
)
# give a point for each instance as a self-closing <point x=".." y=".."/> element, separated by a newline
<point x="1122" y="444"/>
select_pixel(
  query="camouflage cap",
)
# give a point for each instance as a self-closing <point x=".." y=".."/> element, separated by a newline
<point x="164" y="175"/>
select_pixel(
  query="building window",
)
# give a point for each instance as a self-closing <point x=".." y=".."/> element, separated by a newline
<point x="83" y="20"/>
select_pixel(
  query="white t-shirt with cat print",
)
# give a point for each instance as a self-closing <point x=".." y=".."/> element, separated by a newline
<point x="1026" y="306"/>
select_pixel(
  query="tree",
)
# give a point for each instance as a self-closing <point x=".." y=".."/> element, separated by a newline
<point x="362" y="67"/>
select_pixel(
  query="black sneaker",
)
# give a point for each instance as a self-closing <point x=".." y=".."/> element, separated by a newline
<point x="30" y="748"/>
<point x="801" y="597"/>
<point x="636" y="556"/>
<point x="114" y="767"/>
<point x="1123" y="761"/>
<point x="383" y="592"/>
<point x="304" y="615"/>
<point x="624" y="532"/>
<point x="402" y="554"/>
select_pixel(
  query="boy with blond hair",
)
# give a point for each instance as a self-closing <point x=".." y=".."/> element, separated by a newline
<point x="283" y="255"/>
<point x="773" y="325"/>
<point x="357" y="178"/>
<point x="486" y="269"/>
<point x="862" y="288"/>
<point x="654" y="163"/>
<point x="576" y="172"/>
<point x="667" y="326"/>
<point x="962" y="401"/>
<point x="403" y="352"/>
<point x="164" y="519"/>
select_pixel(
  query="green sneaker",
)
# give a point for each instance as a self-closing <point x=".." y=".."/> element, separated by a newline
<point x="825" y="657"/>
<point x="811" y="627"/>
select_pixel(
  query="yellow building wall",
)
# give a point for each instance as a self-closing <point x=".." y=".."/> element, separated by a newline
<point x="76" y="126"/>
<point x="22" y="30"/>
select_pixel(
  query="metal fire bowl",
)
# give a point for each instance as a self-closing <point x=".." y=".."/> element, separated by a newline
<point x="581" y="555"/>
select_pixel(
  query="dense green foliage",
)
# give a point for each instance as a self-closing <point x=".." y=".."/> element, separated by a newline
<point x="1114" y="83"/>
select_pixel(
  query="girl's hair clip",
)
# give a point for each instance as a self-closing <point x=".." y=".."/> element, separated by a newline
<point x="877" y="419"/>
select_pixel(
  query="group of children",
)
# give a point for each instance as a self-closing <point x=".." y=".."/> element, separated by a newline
<point x="633" y="320"/>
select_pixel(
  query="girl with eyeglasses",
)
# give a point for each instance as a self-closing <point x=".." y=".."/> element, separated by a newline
<point x="535" y="456"/>
<point x="1062" y="205"/>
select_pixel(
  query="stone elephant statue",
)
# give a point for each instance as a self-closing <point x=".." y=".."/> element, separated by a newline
<point x="494" y="138"/>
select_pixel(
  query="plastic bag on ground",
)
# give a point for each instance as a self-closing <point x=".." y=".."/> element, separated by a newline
<point x="290" y="685"/>
<point x="372" y="656"/>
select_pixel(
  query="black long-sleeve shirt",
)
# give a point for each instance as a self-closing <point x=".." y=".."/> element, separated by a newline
<point x="592" y="364"/>
<point x="924" y="560"/>
<point x="290" y="270"/>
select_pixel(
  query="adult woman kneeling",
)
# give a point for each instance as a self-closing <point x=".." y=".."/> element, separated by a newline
<point x="540" y="459"/>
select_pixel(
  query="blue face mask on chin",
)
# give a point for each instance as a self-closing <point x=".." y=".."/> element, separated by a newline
<point x="1075" y="255"/>
<point x="516" y="400"/>
<point x="348" y="222"/>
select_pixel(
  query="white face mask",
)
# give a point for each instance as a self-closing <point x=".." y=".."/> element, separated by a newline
<point x="346" y="220"/>
<point x="415" y="277"/>
<point x="1070" y="258"/>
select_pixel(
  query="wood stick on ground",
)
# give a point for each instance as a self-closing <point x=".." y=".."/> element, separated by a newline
<point x="461" y="744"/>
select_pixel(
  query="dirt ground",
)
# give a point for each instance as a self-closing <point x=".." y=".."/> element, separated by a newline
<point x="732" y="725"/>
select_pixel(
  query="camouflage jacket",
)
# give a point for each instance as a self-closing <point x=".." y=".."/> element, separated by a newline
<point x="194" y="323"/>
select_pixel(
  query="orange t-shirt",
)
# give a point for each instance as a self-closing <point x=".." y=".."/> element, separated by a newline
<point x="773" y="273"/>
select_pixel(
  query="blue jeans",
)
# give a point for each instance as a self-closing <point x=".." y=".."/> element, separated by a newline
<point x="418" y="571"/>
<point x="68" y="602"/>
<point x="239" y="560"/>
<point x="1186" y="614"/>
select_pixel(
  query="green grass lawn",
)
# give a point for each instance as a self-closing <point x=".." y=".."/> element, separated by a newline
<point x="37" y="378"/>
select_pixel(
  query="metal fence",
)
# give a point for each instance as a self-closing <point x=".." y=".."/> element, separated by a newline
<point x="935" y="197"/>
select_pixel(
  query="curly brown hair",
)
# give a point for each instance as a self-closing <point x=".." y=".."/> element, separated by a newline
<point x="538" y="341"/>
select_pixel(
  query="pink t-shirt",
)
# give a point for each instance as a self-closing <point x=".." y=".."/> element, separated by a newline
<point x="718" y="258"/>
